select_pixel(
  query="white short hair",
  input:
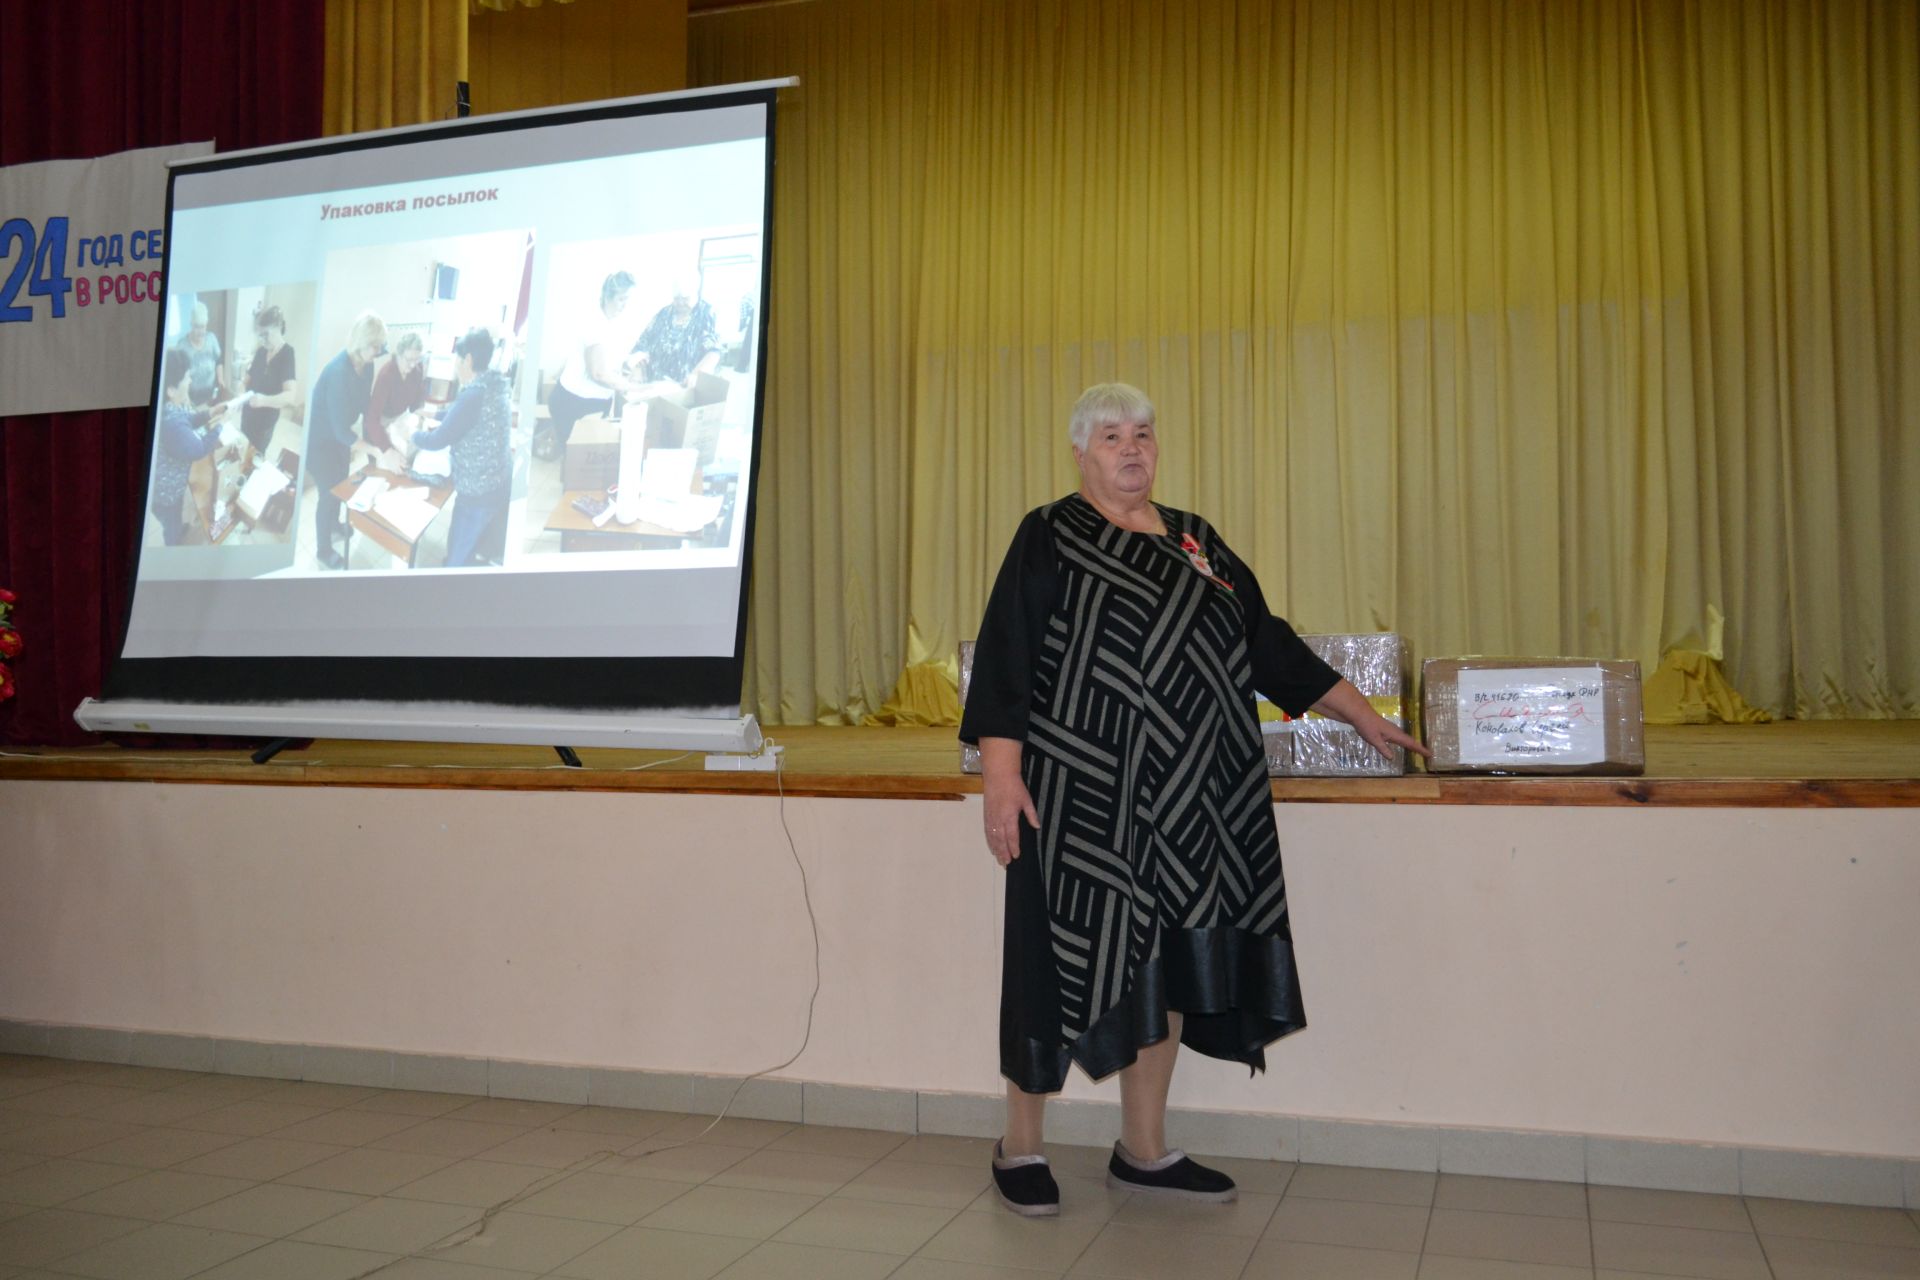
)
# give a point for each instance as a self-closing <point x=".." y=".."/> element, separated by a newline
<point x="1107" y="404"/>
<point x="199" y="313"/>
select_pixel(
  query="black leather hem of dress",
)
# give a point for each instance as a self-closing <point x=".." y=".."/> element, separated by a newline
<point x="1238" y="993"/>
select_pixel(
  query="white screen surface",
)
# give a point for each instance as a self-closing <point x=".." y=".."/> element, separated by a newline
<point x="289" y="515"/>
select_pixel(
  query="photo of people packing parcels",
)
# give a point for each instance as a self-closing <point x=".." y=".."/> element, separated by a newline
<point x="415" y="458"/>
<point x="646" y="393"/>
<point x="227" y="441"/>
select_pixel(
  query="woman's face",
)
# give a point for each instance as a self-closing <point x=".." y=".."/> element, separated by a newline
<point x="271" y="337"/>
<point x="617" y="303"/>
<point x="1119" y="460"/>
<point x="408" y="358"/>
<point x="365" y="354"/>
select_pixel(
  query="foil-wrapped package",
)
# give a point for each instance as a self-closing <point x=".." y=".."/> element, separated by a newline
<point x="969" y="754"/>
<point x="1312" y="746"/>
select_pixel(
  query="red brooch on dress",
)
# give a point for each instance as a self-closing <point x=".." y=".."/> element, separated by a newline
<point x="1198" y="559"/>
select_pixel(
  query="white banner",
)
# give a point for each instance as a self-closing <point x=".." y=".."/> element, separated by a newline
<point x="80" y="258"/>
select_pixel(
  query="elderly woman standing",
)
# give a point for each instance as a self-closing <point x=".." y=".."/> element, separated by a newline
<point x="682" y="339"/>
<point x="1126" y="794"/>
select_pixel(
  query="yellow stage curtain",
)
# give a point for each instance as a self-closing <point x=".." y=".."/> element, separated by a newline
<point x="827" y="617"/>
<point x="553" y="54"/>
<point x="1515" y="327"/>
<point x="397" y="62"/>
<point x="392" y="62"/>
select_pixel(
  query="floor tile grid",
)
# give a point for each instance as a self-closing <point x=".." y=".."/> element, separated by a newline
<point x="1746" y="1207"/>
<point x="542" y="1185"/>
<point x="1835" y="1240"/>
<point x="773" y="1245"/>
<point x="675" y="1133"/>
<point x="756" y="1247"/>
<point x="334" y="1100"/>
<point x="1593" y="1255"/>
<point x="330" y="1100"/>
<point x="350" y="1098"/>
<point x="84" y="1255"/>
<point x="1445" y="1263"/>
<point x="774" y="1251"/>
<point x="1885" y="1241"/>
<point x="1323" y="1184"/>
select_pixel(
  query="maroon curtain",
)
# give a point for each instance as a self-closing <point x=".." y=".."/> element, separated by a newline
<point x="86" y="78"/>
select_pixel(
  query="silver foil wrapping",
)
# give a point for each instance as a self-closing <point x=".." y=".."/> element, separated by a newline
<point x="969" y="754"/>
<point x="1377" y="664"/>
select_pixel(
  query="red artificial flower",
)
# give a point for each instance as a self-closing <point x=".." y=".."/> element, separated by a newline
<point x="6" y="682"/>
<point x="10" y="643"/>
<point x="6" y="596"/>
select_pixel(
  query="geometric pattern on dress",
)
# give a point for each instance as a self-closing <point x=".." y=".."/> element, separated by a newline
<point x="1144" y="758"/>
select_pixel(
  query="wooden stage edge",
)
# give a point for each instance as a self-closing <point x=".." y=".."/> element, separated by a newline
<point x="1794" y="764"/>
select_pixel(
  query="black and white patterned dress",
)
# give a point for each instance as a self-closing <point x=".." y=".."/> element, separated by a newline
<point x="1127" y="664"/>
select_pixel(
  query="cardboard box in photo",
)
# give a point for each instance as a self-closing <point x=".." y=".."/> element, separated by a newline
<point x="592" y="457"/>
<point x="691" y="420"/>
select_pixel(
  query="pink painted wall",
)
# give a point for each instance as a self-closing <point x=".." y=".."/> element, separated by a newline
<point x="1731" y="976"/>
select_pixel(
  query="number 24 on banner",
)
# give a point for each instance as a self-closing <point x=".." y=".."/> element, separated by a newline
<point x="47" y="266"/>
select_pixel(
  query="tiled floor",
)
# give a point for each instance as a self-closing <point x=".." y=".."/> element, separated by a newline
<point x="127" y="1173"/>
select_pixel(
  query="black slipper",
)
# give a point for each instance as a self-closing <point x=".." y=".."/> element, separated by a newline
<point x="1173" y="1174"/>
<point x="1025" y="1184"/>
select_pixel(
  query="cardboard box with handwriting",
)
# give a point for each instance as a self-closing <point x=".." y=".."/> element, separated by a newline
<point x="1533" y="715"/>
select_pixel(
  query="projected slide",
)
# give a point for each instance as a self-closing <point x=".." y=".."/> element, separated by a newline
<point x="479" y="391"/>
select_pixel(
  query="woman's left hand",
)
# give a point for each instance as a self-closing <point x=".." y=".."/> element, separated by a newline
<point x="1344" y="702"/>
<point x="1383" y="735"/>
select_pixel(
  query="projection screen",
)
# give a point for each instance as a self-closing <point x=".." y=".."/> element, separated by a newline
<point x="466" y="415"/>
